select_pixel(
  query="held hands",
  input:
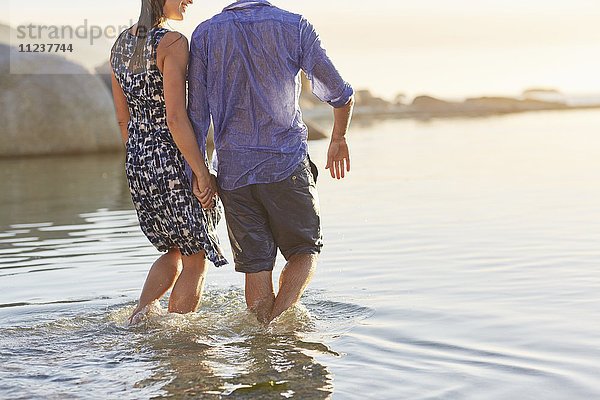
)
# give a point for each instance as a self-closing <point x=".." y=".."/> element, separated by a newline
<point x="338" y="158"/>
<point x="204" y="187"/>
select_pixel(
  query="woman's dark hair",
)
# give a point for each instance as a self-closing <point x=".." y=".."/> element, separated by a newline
<point x="151" y="16"/>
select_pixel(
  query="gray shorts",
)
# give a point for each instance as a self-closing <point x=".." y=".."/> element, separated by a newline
<point x="264" y="217"/>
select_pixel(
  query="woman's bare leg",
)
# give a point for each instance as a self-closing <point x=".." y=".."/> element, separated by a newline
<point x="187" y="292"/>
<point x="162" y="276"/>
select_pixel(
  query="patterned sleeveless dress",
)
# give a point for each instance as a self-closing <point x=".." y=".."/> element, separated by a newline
<point x="170" y="215"/>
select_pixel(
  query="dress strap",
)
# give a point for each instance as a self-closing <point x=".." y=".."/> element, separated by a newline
<point x="157" y="36"/>
<point x="154" y="39"/>
<point x="117" y="44"/>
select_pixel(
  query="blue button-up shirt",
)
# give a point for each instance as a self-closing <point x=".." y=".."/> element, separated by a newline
<point x="244" y="71"/>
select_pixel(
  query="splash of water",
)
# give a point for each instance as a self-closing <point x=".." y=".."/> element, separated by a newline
<point x="222" y="350"/>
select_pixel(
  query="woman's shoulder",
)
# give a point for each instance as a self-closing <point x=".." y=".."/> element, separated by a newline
<point x="172" y="40"/>
<point x="170" y="37"/>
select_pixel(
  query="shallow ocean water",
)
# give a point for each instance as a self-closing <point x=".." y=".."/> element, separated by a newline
<point x="461" y="262"/>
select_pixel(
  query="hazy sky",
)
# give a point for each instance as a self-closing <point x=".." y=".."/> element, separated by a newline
<point x="444" y="47"/>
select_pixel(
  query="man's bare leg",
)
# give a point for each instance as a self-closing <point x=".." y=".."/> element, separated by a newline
<point x="260" y="296"/>
<point x="162" y="276"/>
<point x="187" y="292"/>
<point x="293" y="281"/>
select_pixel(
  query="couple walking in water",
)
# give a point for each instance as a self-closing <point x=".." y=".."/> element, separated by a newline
<point x="241" y="70"/>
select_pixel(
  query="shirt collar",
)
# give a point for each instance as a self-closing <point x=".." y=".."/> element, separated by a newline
<point x="246" y="4"/>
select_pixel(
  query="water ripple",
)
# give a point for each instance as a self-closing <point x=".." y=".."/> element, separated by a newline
<point x="222" y="349"/>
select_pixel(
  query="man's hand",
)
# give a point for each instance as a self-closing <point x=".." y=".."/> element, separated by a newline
<point x="205" y="189"/>
<point x="338" y="158"/>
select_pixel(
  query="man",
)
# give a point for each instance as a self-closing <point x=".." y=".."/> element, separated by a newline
<point x="244" y="71"/>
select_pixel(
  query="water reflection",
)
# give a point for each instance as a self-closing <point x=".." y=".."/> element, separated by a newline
<point x="223" y="351"/>
<point x="65" y="332"/>
<point x="219" y="351"/>
<point x="58" y="188"/>
<point x="254" y="366"/>
<point x="56" y="335"/>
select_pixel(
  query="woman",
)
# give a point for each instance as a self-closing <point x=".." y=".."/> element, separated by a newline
<point x="149" y="66"/>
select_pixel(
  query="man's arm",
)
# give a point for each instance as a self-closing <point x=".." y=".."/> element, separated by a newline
<point x="328" y="86"/>
<point x="338" y="156"/>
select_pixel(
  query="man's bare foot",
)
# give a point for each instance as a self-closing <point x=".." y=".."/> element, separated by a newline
<point x="262" y="309"/>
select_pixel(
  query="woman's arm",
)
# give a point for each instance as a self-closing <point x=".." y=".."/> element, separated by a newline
<point x="173" y="54"/>
<point x="121" y="107"/>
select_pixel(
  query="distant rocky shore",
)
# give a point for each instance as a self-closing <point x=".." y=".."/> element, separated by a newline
<point x="426" y="107"/>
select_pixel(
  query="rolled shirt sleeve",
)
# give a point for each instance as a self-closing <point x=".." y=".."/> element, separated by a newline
<point x="327" y="83"/>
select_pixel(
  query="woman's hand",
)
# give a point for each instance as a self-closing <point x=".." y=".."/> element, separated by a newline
<point x="205" y="189"/>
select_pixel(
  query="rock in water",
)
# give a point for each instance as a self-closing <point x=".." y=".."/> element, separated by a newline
<point x="53" y="114"/>
<point x="315" y="132"/>
<point x="104" y="72"/>
<point x="5" y="32"/>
